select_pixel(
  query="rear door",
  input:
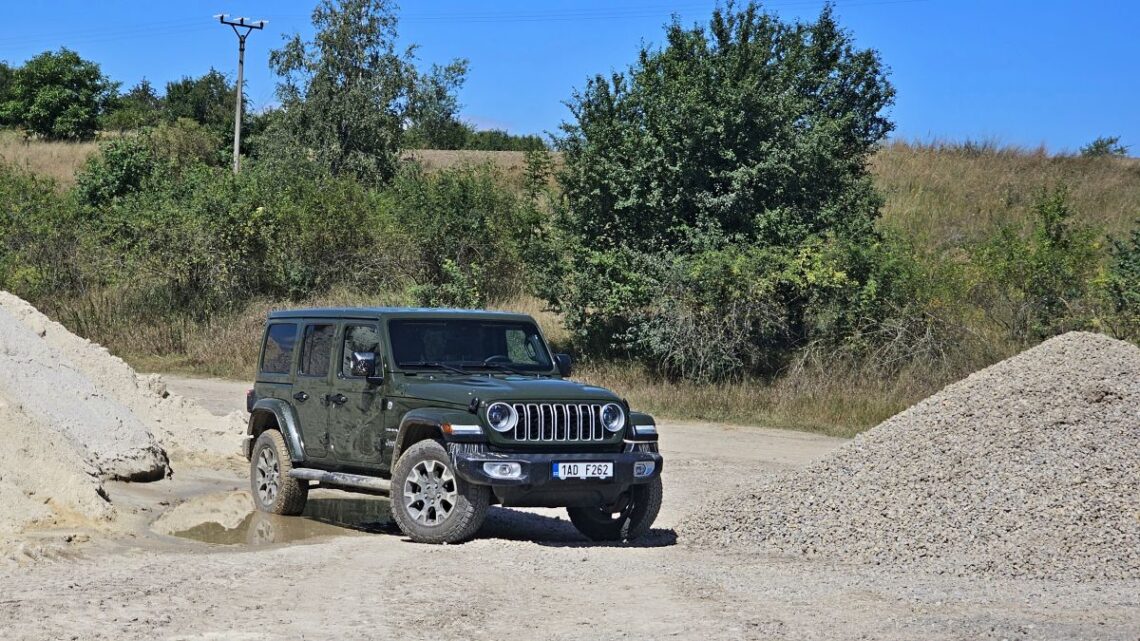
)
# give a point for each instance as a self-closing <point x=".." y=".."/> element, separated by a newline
<point x="356" y="414"/>
<point x="313" y="385"/>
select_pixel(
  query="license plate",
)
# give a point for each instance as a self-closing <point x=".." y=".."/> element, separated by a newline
<point x="583" y="470"/>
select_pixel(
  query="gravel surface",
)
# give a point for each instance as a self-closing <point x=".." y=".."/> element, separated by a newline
<point x="1029" y="468"/>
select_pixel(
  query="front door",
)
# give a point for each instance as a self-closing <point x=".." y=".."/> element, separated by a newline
<point x="312" y="387"/>
<point x="357" y="413"/>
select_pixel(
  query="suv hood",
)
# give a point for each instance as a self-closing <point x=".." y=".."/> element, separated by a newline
<point x="461" y="389"/>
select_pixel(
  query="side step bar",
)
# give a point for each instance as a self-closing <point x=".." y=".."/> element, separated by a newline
<point x="342" y="480"/>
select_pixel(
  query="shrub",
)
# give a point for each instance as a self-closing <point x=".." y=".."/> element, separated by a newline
<point x="38" y="236"/>
<point x="1123" y="284"/>
<point x="1038" y="285"/>
<point x="121" y="167"/>
<point x="471" y="234"/>
<point x="1104" y="146"/>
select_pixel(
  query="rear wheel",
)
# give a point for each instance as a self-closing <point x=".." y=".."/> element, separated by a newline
<point x="273" y="490"/>
<point x="430" y="503"/>
<point x="629" y="519"/>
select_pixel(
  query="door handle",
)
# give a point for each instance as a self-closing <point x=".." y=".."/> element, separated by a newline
<point x="301" y="396"/>
<point x="338" y="399"/>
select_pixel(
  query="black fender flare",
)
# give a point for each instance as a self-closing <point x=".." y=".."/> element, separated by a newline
<point x="286" y="418"/>
<point x="644" y="421"/>
<point x="429" y="422"/>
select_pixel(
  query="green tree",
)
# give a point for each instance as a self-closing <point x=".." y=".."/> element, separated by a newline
<point x="207" y="100"/>
<point x="500" y="140"/>
<point x="5" y="86"/>
<point x="57" y="95"/>
<point x="347" y="95"/>
<point x="434" y="109"/>
<point x="751" y="134"/>
<point x="139" y="107"/>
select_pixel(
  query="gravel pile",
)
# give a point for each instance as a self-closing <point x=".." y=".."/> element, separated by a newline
<point x="1028" y="468"/>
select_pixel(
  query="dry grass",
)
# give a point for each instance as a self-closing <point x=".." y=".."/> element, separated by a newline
<point x="58" y="160"/>
<point x="945" y="196"/>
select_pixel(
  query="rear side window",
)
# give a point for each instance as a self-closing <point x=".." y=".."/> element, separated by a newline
<point x="277" y="354"/>
<point x="316" y="350"/>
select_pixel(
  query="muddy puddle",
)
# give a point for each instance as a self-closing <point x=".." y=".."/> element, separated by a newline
<point x="230" y="519"/>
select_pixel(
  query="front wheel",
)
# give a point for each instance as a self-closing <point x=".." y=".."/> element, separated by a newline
<point x="629" y="519"/>
<point x="273" y="490"/>
<point x="429" y="502"/>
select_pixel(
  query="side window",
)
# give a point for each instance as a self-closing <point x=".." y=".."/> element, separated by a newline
<point x="316" y="350"/>
<point x="358" y="338"/>
<point x="277" y="355"/>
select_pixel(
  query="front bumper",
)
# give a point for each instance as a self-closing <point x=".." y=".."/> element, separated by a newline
<point x="538" y="487"/>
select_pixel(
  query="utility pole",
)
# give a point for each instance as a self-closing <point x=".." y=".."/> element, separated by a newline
<point x="249" y="26"/>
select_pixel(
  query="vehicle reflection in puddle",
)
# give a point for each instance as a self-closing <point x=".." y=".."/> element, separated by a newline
<point x="322" y="517"/>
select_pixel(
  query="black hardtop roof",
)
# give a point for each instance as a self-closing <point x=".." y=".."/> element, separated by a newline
<point x="396" y="312"/>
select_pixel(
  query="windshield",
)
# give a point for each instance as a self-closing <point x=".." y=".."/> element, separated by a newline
<point x="464" y="343"/>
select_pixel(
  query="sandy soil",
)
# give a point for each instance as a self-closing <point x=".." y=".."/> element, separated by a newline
<point x="343" y="572"/>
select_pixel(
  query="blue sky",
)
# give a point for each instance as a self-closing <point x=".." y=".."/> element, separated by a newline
<point x="1021" y="72"/>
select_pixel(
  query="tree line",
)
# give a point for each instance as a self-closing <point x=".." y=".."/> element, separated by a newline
<point x="58" y="95"/>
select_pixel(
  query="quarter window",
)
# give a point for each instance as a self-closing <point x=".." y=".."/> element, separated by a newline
<point x="316" y="350"/>
<point x="277" y="355"/>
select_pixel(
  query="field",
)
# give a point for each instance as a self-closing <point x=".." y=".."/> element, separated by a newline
<point x="56" y="160"/>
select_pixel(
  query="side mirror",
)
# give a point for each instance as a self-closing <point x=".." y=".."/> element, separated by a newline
<point x="364" y="364"/>
<point x="563" y="361"/>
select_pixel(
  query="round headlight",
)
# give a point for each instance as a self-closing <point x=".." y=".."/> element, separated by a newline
<point x="612" y="417"/>
<point x="502" y="417"/>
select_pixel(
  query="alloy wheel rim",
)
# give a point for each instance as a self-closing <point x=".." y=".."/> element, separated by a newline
<point x="430" y="493"/>
<point x="268" y="476"/>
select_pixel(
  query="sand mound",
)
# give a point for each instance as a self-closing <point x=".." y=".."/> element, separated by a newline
<point x="1030" y="467"/>
<point x="49" y="391"/>
<point x="184" y="428"/>
<point x="73" y="415"/>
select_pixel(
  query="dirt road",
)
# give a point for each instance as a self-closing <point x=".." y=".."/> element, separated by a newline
<point x="344" y="573"/>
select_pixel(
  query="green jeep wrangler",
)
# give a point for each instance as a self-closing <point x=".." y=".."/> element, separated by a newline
<point x="446" y="412"/>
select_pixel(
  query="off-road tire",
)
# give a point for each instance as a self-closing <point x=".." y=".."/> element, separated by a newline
<point x="599" y="524"/>
<point x="291" y="494"/>
<point x="467" y="512"/>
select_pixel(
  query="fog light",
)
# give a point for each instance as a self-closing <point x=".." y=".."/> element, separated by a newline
<point x="642" y="469"/>
<point x="502" y="470"/>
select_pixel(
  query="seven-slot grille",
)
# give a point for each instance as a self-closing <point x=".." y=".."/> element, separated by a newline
<point x="553" y="422"/>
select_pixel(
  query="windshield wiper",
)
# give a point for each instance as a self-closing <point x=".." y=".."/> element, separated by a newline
<point x="507" y="368"/>
<point x="436" y="364"/>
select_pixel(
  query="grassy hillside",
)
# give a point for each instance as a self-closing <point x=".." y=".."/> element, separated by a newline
<point x="940" y="196"/>
<point x="944" y="196"/>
